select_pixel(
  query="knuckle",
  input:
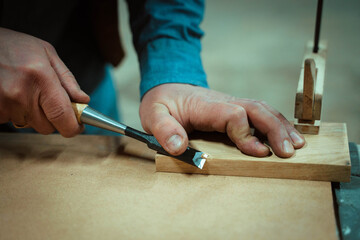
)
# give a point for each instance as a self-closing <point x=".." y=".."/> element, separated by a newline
<point x="15" y="94"/>
<point x="277" y="126"/>
<point x="31" y="73"/>
<point x="35" y="73"/>
<point x="279" y="116"/>
<point x="48" y="46"/>
<point x="257" y="105"/>
<point x="262" y="102"/>
<point x="55" y="113"/>
<point x="257" y="109"/>
<point x="160" y="124"/>
<point x="59" y="114"/>
<point x="34" y="68"/>
<point x="12" y="92"/>
<point x="238" y="112"/>
<point x="68" y="75"/>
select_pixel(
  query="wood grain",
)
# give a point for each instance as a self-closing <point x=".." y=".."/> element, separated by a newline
<point x="324" y="158"/>
<point x="97" y="187"/>
<point x="308" y="128"/>
<point x="78" y="109"/>
<point x="308" y="93"/>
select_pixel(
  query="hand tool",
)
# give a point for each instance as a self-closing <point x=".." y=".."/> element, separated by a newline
<point x="88" y="115"/>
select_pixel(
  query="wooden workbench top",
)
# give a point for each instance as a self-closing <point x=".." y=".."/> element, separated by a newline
<point x="97" y="187"/>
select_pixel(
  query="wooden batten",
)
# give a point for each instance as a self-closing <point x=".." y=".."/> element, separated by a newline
<point x="324" y="158"/>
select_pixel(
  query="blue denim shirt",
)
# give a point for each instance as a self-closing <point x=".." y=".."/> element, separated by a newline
<point x="166" y="36"/>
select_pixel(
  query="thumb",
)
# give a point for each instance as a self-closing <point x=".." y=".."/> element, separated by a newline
<point x="65" y="76"/>
<point x="166" y="129"/>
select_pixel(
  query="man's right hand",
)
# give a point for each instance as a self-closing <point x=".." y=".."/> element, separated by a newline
<point x="36" y="88"/>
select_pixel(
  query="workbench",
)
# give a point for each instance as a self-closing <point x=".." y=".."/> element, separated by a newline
<point x="102" y="187"/>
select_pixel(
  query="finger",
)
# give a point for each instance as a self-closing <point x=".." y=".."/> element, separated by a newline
<point x="31" y="117"/>
<point x="56" y="105"/>
<point x="232" y="119"/>
<point x="17" y="114"/>
<point x="298" y="141"/>
<point x="65" y="76"/>
<point x="170" y="134"/>
<point x="38" y="121"/>
<point x="271" y="126"/>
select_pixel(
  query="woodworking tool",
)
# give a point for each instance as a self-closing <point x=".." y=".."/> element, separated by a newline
<point x="90" y="116"/>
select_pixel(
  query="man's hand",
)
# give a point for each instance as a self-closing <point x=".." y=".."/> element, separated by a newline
<point x="36" y="86"/>
<point x="168" y="111"/>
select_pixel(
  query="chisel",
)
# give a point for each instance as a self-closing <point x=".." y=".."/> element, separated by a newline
<point x="87" y="115"/>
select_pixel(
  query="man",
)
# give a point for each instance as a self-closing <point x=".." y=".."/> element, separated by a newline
<point x="36" y="85"/>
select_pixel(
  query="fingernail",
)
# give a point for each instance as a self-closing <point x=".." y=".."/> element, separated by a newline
<point x="287" y="147"/>
<point x="296" y="138"/>
<point x="174" y="143"/>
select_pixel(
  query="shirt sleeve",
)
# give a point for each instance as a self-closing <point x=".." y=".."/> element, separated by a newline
<point x="166" y="36"/>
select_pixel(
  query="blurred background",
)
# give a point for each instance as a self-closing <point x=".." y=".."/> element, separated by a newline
<point x="254" y="49"/>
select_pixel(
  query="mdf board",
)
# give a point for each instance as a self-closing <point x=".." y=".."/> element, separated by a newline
<point x="324" y="158"/>
<point x="96" y="187"/>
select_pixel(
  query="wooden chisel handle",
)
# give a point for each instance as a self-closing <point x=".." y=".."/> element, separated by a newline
<point x="78" y="109"/>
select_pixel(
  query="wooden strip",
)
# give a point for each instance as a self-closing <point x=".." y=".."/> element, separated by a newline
<point x="308" y="128"/>
<point x="308" y="94"/>
<point x="324" y="158"/>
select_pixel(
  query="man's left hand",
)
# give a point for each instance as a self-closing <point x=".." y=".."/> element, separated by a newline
<point x="169" y="111"/>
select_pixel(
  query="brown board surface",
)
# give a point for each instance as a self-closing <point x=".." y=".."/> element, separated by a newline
<point x="96" y="187"/>
<point x="324" y="158"/>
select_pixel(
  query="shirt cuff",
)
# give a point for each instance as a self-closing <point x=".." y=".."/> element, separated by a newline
<point x="167" y="60"/>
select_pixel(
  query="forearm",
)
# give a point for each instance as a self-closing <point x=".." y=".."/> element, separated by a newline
<point x="166" y="36"/>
